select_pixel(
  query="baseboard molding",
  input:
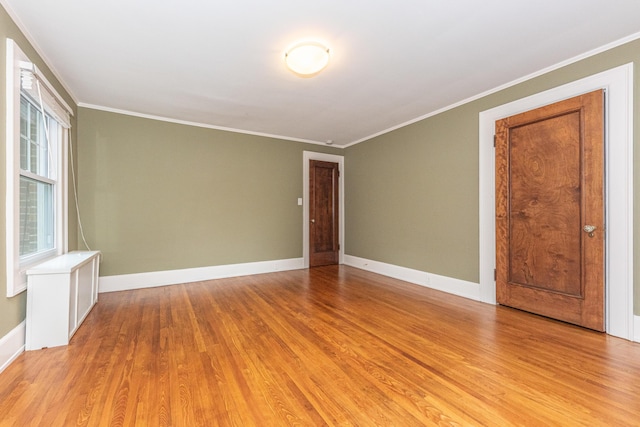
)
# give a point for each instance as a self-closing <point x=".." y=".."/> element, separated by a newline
<point x="12" y="345"/>
<point x="450" y="285"/>
<point x="442" y="283"/>
<point x="127" y="282"/>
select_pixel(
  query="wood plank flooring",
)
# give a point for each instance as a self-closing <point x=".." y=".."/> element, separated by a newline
<point x="327" y="346"/>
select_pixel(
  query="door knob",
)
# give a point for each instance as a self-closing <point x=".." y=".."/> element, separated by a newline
<point x="313" y="221"/>
<point x="589" y="229"/>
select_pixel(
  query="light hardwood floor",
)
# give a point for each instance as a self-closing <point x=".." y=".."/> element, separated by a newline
<point x="326" y="346"/>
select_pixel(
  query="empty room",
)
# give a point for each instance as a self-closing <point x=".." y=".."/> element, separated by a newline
<point x="243" y="213"/>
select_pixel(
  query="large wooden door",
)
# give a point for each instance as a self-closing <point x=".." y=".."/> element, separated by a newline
<point x="324" y="247"/>
<point x="550" y="211"/>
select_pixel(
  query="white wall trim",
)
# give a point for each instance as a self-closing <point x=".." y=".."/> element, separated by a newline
<point x="199" y="124"/>
<point x="528" y="77"/>
<point x="618" y="83"/>
<point x="16" y="265"/>
<point x="126" y="282"/>
<point x="434" y="281"/>
<point x="312" y="155"/>
<point x="12" y="345"/>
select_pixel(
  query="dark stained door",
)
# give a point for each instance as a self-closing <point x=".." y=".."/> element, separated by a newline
<point x="323" y="213"/>
<point x="550" y="211"/>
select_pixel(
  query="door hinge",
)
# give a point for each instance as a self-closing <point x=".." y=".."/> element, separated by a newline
<point x="338" y="173"/>
<point x="494" y="141"/>
<point x="495" y="274"/>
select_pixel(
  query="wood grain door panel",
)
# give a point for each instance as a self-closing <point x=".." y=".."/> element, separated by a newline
<point x="324" y="240"/>
<point x="549" y="185"/>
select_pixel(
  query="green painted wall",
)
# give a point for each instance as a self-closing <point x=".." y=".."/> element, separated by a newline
<point x="408" y="198"/>
<point x="13" y="310"/>
<point x="160" y="196"/>
<point x="412" y="194"/>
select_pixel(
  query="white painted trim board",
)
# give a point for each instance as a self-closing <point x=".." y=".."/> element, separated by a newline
<point x="450" y="285"/>
<point x="126" y="282"/>
<point x="446" y="284"/>
<point x="12" y="345"/>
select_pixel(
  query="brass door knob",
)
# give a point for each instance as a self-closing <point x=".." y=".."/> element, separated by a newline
<point x="589" y="229"/>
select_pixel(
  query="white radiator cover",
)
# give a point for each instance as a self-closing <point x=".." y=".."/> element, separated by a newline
<point x="60" y="294"/>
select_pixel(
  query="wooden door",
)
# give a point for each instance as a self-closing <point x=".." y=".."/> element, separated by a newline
<point x="324" y="223"/>
<point x="549" y="192"/>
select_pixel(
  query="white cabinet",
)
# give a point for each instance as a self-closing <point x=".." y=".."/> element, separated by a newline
<point x="60" y="294"/>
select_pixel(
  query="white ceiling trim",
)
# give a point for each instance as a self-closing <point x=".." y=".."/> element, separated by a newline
<point x="197" y="124"/>
<point x="539" y="73"/>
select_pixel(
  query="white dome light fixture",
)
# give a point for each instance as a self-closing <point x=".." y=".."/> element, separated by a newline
<point x="307" y="58"/>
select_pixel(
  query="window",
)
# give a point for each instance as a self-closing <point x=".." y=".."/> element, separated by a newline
<point x="37" y="180"/>
<point x="36" y="146"/>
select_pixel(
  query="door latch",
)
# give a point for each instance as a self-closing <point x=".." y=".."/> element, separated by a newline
<point x="589" y="229"/>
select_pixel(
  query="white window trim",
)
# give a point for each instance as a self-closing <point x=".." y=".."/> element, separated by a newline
<point x="15" y="269"/>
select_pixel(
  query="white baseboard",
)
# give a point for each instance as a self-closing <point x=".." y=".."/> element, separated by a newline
<point x="450" y="285"/>
<point x="442" y="283"/>
<point x="12" y="345"/>
<point x="127" y="282"/>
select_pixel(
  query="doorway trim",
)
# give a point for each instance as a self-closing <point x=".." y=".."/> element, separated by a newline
<point x="334" y="158"/>
<point x="618" y="83"/>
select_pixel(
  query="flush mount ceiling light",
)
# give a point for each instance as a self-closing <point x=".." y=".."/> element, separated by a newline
<point x="307" y="58"/>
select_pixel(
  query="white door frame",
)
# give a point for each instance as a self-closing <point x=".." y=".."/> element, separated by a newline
<point x="618" y="83"/>
<point x="312" y="155"/>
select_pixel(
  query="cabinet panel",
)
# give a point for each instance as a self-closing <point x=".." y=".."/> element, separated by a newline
<point x="73" y="298"/>
<point x="85" y="301"/>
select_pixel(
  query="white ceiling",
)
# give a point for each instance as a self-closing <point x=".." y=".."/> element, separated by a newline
<point x="220" y="63"/>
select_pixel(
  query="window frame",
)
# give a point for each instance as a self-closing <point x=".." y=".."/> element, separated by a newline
<point x="55" y="107"/>
<point x="47" y="126"/>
